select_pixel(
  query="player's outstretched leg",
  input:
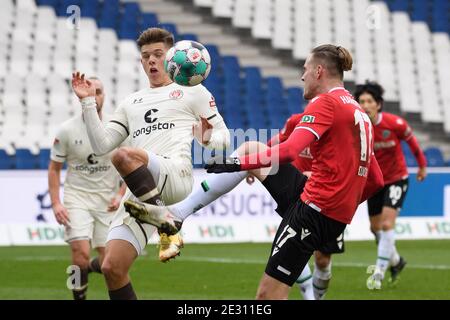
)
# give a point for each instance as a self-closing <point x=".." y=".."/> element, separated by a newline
<point x="321" y="275"/>
<point x="305" y="283"/>
<point x="209" y="190"/>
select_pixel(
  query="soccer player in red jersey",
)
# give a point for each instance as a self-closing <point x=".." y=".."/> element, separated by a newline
<point x="312" y="286"/>
<point x="315" y="211"/>
<point x="385" y="205"/>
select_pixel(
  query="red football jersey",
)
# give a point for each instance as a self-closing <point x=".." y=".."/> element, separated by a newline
<point x="304" y="160"/>
<point x="341" y="154"/>
<point x="389" y="131"/>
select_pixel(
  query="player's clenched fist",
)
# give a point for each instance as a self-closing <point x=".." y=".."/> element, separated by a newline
<point x="220" y="164"/>
<point x="82" y="87"/>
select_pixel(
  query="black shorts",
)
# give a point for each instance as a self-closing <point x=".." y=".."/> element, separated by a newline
<point x="392" y="195"/>
<point x="302" y="230"/>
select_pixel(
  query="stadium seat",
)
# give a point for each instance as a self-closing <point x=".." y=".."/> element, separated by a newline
<point x="242" y="14"/>
<point x="25" y="160"/>
<point x="6" y="161"/>
<point x="434" y="157"/>
<point x="262" y="20"/>
<point x="44" y="158"/>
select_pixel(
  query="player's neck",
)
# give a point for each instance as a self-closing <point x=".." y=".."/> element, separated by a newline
<point x="331" y="85"/>
<point x="163" y="84"/>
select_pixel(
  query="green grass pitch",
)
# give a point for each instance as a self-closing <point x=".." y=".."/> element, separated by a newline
<point x="226" y="271"/>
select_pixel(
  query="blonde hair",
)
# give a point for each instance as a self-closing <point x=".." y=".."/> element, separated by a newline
<point x="336" y="59"/>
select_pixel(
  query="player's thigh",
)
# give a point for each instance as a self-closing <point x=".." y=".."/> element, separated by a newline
<point x="272" y="289"/>
<point x="335" y="246"/>
<point x="292" y="247"/>
<point x="175" y="181"/>
<point x="81" y="225"/>
<point x="395" y="194"/>
<point x="285" y="187"/>
<point x="375" y="203"/>
<point x="119" y="256"/>
<point x="102" y="221"/>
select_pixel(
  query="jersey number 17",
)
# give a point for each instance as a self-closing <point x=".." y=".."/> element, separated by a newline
<point x="361" y="119"/>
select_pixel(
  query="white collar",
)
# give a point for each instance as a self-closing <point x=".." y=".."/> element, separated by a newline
<point x="379" y="118"/>
<point x="336" y="88"/>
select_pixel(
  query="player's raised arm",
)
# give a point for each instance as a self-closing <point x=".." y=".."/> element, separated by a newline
<point x="211" y="130"/>
<point x="103" y="138"/>
<point x="404" y="132"/>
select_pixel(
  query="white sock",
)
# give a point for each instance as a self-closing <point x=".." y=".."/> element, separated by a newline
<point x="395" y="257"/>
<point x="385" y="248"/>
<point x="321" y="280"/>
<point x="305" y="283"/>
<point x="214" y="186"/>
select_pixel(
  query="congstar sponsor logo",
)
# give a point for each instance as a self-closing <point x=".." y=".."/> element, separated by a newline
<point x="150" y="118"/>
<point x="91" y="169"/>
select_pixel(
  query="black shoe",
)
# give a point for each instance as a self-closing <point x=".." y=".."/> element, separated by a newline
<point x="395" y="270"/>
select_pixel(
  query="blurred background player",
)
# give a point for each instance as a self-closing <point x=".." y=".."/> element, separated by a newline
<point x="91" y="192"/>
<point x="385" y="206"/>
<point x="315" y="211"/>
<point x="161" y="121"/>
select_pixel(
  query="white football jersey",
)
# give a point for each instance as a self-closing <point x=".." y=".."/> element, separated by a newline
<point x="91" y="181"/>
<point x="161" y="119"/>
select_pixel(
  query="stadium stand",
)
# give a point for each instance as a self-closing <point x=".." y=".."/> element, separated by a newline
<point x="38" y="52"/>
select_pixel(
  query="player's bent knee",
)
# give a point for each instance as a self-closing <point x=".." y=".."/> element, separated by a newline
<point x="121" y="156"/>
<point x="112" y="271"/>
<point x="322" y="261"/>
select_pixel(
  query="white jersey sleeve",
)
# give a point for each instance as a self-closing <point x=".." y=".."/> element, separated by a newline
<point x="204" y="105"/>
<point x="104" y="138"/>
<point x="58" y="152"/>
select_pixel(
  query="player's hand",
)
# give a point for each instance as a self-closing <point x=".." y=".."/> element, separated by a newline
<point x="82" y="87"/>
<point x="421" y="174"/>
<point x="250" y="179"/>
<point x="220" y="164"/>
<point x="202" y="130"/>
<point x="114" y="204"/>
<point x="307" y="174"/>
<point x="61" y="215"/>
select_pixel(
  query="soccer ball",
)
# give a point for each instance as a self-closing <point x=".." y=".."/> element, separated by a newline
<point x="188" y="63"/>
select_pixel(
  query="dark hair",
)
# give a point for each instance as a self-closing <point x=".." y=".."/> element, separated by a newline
<point x="336" y="59"/>
<point x="372" y="88"/>
<point x="154" y="35"/>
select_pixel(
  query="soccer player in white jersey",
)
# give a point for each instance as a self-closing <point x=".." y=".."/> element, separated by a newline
<point x="91" y="192"/>
<point x="161" y="121"/>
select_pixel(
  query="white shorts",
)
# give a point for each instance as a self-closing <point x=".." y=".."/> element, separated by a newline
<point x="88" y="225"/>
<point x="174" y="183"/>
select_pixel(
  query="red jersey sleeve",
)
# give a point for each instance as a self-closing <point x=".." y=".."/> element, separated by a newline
<point x="402" y="129"/>
<point x="286" y="131"/>
<point x="404" y="132"/>
<point x="318" y="116"/>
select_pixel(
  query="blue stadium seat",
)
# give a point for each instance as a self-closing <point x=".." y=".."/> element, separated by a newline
<point x="50" y="3"/>
<point x="90" y="8"/>
<point x="25" y="160"/>
<point x="189" y="36"/>
<point x="409" y="157"/>
<point x="6" y="162"/>
<point x="171" y="28"/>
<point x="148" y="20"/>
<point x="434" y="157"/>
<point x="44" y="158"/>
